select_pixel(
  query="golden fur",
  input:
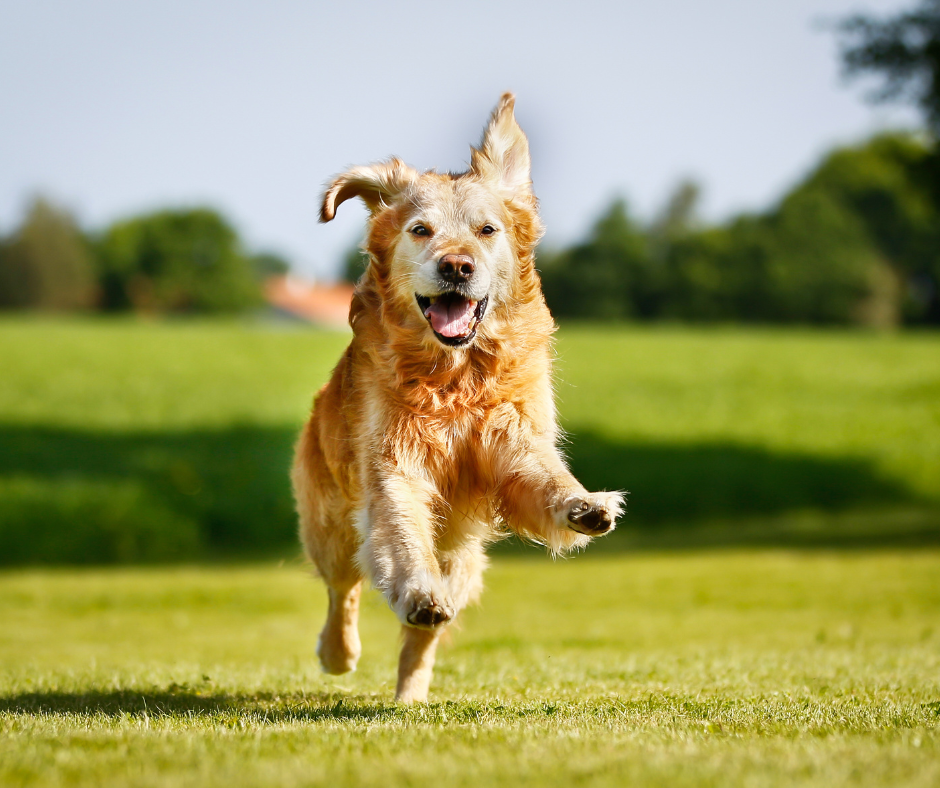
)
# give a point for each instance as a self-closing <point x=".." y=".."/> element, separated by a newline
<point x="423" y="446"/>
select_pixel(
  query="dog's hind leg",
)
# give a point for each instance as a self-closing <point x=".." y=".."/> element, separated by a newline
<point x="330" y="540"/>
<point x="334" y="557"/>
<point x="338" y="647"/>
<point x="416" y="664"/>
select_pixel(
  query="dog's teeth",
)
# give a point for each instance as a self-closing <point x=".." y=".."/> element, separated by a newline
<point x="432" y="299"/>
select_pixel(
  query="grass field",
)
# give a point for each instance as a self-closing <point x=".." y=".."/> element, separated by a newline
<point x="166" y="440"/>
<point x="754" y="668"/>
<point x="784" y="658"/>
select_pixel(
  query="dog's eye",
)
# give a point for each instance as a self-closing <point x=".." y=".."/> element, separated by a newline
<point x="420" y="229"/>
<point x="487" y="229"/>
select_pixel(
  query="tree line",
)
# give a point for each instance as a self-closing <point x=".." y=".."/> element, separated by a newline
<point x="857" y="242"/>
<point x="170" y="261"/>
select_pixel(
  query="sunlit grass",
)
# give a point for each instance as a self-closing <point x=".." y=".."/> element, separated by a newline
<point x="686" y="669"/>
<point x="749" y="668"/>
<point x="132" y="375"/>
<point x="178" y="435"/>
<point x="829" y="394"/>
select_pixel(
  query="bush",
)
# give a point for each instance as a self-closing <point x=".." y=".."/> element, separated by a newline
<point x="47" y="263"/>
<point x="176" y="261"/>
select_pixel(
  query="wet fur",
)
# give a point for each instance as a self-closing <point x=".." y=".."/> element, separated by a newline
<point x="418" y="454"/>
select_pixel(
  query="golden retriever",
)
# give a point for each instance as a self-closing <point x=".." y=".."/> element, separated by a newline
<point x="437" y="430"/>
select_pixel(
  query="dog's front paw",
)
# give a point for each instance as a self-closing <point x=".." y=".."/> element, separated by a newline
<point x="594" y="514"/>
<point x="429" y="615"/>
<point x="425" y="611"/>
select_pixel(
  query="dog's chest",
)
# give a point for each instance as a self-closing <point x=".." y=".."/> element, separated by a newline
<point x="452" y="445"/>
<point x="463" y="451"/>
<point x="464" y="434"/>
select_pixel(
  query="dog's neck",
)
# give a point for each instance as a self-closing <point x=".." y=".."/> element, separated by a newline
<point x="511" y="355"/>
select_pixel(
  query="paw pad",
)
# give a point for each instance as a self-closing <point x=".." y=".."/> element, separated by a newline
<point x="589" y="518"/>
<point x="429" y="615"/>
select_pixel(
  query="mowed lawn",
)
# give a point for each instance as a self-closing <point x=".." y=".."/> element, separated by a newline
<point x="701" y="669"/>
<point x="804" y="651"/>
<point x="162" y="441"/>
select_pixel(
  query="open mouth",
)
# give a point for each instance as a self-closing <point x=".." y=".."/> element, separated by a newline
<point x="452" y="317"/>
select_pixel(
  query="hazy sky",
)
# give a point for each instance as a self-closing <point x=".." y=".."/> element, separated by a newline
<point x="115" y="107"/>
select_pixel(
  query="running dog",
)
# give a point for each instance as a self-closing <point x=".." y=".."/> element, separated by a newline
<point x="437" y="431"/>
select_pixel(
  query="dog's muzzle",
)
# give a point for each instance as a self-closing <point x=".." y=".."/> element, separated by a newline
<point x="453" y="318"/>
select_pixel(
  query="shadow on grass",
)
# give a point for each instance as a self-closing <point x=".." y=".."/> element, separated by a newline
<point x="184" y="702"/>
<point x="95" y="497"/>
<point x="265" y="708"/>
<point x="672" y="482"/>
<point x="68" y="496"/>
<point x="724" y="494"/>
<point x="231" y="709"/>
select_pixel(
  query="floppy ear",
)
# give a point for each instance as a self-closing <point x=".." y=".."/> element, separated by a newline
<point x="503" y="154"/>
<point x="376" y="184"/>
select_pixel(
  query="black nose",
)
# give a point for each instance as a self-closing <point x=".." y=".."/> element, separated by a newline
<point x="456" y="268"/>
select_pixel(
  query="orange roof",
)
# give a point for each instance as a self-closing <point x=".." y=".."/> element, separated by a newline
<point x="323" y="304"/>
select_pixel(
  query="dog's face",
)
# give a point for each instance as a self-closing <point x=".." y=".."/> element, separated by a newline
<point x="447" y="250"/>
<point x="454" y="255"/>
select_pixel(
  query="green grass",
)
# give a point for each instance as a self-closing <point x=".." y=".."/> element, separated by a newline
<point x="177" y="436"/>
<point x="791" y="436"/>
<point x="834" y="396"/>
<point x="156" y="441"/>
<point x="753" y="668"/>
<point x="124" y="441"/>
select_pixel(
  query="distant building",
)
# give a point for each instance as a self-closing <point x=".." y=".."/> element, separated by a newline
<point x="325" y="305"/>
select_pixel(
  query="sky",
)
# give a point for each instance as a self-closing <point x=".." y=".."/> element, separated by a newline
<point x="115" y="107"/>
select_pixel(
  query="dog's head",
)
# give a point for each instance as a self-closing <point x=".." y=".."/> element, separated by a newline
<point x="450" y="255"/>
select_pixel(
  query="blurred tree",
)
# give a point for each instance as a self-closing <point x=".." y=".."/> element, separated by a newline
<point x="176" y="261"/>
<point x="47" y="263"/>
<point x="818" y="262"/>
<point x="709" y="271"/>
<point x="609" y="277"/>
<point x="267" y="264"/>
<point x="354" y="264"/>
<point x="904" y="50"/>
<point x="812" y="259"/>
<point x="677" y="218"/>
<point x="885" y="183"/>
<point x="858" y="241"/>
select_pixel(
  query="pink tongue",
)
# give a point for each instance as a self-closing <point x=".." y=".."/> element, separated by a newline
<point x="451" y="318"/>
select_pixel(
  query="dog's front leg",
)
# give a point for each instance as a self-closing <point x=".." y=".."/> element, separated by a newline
<point x="540" y="498"/>
<point x="416" y="664"/>
<point x="398" y="551"/>
<point x="398" y="548"/>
